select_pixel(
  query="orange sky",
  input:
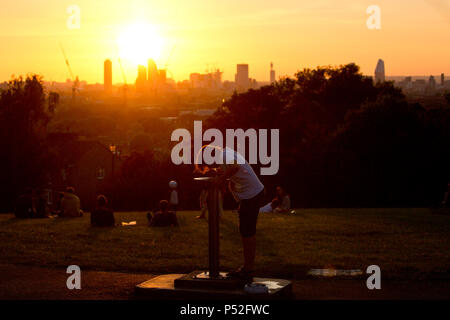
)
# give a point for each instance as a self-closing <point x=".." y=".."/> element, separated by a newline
<point x="414" y="38"/>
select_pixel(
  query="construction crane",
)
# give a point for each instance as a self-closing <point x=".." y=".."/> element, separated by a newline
<point x="166" y="65"/>
<point x="75" y="80"/>
<point x="125" y="85"/>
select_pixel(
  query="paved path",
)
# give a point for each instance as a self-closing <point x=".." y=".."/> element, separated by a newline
<point x="31" y="282"/>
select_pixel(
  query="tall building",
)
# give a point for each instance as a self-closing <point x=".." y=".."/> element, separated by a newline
<point x="442" y="79"/>
<point x="107" y="75"/>
<point x="241" y="78"/>
<point x="379" y="72"/>
<point x="141" y="79"/>
<point x="272" y="73"/>
<point x="432" y="83"/>
<point x="162" y="77"/>
<point x="152" y="72"/>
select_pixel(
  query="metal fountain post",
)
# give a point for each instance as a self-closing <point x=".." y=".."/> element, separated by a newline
<point x="213" y="230"/>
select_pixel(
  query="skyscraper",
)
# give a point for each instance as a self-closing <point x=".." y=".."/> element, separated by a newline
<point x="241" y="77"/>
<point x="432" y="83"/>
<point x="162" y="77"/>
<point x="152" y="72"/>
<point x="442" y="79"/>
<point x="141" y="79"/>
<point x="272" y="73"/>
<point x="379" y="72"/>
<point x="107" y="75"/>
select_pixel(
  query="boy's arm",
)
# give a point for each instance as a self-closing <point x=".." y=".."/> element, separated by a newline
<point x="230" y="170"/>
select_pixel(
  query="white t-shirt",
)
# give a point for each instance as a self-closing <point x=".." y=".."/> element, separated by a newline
<point x="245" y="184"/>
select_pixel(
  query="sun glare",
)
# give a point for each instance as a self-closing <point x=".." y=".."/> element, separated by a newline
<point x="139" y="42"/>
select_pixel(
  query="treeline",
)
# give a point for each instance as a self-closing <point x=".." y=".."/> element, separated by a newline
<point x="344" y="142"/>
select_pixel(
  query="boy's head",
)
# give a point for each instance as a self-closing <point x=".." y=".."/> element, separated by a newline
<point x="205" y="168"/>
<point x="101" y="200"/>
<point x="70" y="190"/>
<point x="163" y="205"/>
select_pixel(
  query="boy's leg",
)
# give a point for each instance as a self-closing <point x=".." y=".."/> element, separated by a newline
<point x="248" y="216"/>
<point x="249" y="247"/>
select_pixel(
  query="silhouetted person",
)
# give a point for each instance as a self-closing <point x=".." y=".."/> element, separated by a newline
<point x="24" y="205"/>
<point x="58" y="204"/>
<point x="281" y="203"/>
<point x="284" y="201"/>
<point x="446" y="202"/>
<point x="164" y="217"/>
<point x="42" y="208"/>
<point x="102" y="216"/>
<point x="203" y="200"/>
<point x="248" y="191"/>
<point x="70" y="204"/>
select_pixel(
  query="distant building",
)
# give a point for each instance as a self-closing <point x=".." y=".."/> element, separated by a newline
<point x="272" y="73"/>
<point x="162" y="77"/>
<point x="211" y="80"/>
<point x="241" y="78"/>
<point x="152" y="73"/>
<point x="419" y="85"/>
<point x="107" y="75"/>
<point x="432" y="82"/>
<point x="442" y="79"/>
<point x="379" y="72"/>
<point x="86" y="165"/>
<point x="141" y="80"/>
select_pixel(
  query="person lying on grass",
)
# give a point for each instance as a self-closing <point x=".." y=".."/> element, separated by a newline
<point x="164" y="217"/>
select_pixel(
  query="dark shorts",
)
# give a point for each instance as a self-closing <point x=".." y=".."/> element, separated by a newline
<point x="248" y="215"/>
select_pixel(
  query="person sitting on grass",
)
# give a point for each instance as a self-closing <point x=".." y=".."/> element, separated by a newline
<point x="284" y="201"/>
<point x="164" y="217"/>
<point x="281" y="204"/>
<point x="58" y="205"/>
<point x="204" y="203"/>
<point x="24" y="205"/>
<point x="270" y="207"/>
<point x="70" y="204"/>
<point x="102" y="216"/>
<point x="203" y="200"/>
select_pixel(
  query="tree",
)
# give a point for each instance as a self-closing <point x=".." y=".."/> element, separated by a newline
<point x="344" y="140"/>
<point x="23" y="121"/>
<point x="447" y="97"/>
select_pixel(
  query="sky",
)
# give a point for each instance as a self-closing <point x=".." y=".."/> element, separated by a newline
<point x="199" y="35"/>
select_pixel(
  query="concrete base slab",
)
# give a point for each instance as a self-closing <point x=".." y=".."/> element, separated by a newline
<point x="201" y="280"/>
<point x="162" y="287"/>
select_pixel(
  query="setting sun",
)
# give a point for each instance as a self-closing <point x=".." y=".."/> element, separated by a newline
<point x="139" y="42"/>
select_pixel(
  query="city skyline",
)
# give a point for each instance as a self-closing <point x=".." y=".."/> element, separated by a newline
<point x="191" y="37"/>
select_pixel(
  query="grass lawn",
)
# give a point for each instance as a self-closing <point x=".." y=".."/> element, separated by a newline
<point x="405" y="243"/>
